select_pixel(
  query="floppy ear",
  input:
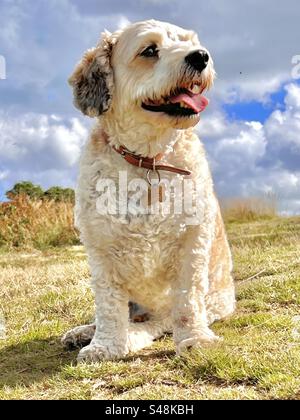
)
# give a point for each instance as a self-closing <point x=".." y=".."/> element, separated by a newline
<point x="92" y="80"/>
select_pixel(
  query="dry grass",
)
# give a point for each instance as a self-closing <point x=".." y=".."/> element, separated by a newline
<point x="36" y="224"/>
<point x="249" y="209"/>
<point x="44" y="293"/>
<point x="42" y="224"/>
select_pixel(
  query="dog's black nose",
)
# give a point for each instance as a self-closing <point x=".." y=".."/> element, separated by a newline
<point x="198" y="59"/>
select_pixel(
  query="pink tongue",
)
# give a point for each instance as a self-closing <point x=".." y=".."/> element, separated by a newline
<point x="197" y="102"/>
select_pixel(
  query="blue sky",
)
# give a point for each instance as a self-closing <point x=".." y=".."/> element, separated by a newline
<point x="256" y="110"/>
<point x="251" y="129"/>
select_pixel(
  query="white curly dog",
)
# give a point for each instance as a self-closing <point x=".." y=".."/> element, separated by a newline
<point x="144" y="86"/>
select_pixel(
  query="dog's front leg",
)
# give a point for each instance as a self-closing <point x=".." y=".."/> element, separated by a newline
<point x="112" y="320"/>
<point x="190" y="288"/>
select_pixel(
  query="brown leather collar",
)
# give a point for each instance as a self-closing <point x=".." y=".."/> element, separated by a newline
<point x="146" y="162"/>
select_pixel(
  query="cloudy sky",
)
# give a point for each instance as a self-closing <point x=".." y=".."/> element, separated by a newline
<point x="251" y="129"/>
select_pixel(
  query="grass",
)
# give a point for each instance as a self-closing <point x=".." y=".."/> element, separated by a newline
<point x="42" y="224"/>
<point x="249" y="209"/>
<point x="38" y="224"/>
<point x="43" y="293"/>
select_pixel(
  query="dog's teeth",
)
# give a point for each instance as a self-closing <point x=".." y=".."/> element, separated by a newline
<point x="183" y="105"/>
<point x="196" y="89"/>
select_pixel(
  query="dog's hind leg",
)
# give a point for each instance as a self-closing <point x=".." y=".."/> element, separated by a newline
<point x="141" y="335"/>
<point x="138" y="313"/>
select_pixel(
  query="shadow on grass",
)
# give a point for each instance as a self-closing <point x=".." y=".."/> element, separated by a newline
<point x="32" y="361"/>
<point x="38" y="360"/>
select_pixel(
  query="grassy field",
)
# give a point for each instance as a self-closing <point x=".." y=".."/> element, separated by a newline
<point x="44" y="293"/>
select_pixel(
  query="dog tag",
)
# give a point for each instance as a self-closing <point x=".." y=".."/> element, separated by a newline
<point x="156" y="193"/>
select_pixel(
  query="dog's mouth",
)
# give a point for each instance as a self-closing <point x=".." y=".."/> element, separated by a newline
<point x="182" y="102"/>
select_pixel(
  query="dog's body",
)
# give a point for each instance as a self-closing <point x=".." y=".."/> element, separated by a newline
<point x="181" y="273"/>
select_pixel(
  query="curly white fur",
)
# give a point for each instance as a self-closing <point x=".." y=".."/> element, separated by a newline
<point x="180" y="273"/>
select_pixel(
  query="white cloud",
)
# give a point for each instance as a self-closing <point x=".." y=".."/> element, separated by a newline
<point x="247" y="89"/>
<point x="283" y="128"/>
<point x="40" y="147"/>
<point x="292" y="99"/>
<point x="43" y="40"/>
<point x="250" y="158"/>
<point x="123" y="22"/>
<point x="3" y="175"/>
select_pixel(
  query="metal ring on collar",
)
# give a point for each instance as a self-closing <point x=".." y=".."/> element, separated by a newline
<point x="148" y="176"/>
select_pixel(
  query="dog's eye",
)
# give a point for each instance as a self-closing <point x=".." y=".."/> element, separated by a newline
<point x="151" y="51"/>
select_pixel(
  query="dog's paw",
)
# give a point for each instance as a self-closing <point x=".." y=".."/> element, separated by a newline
<point x="96" y="353"/>
<point x="78" y="337"/>
<point x="203" y="338"/>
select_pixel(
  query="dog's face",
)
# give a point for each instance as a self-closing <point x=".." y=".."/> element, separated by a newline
<point x="153" y="72"/>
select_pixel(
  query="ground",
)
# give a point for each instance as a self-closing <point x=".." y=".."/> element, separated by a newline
<point x="45" y="293"/>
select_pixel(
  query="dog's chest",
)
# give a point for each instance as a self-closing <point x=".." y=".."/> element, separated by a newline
<point x="132" y="201"/>
<point x="139" y="241"/>
<point x="115" y="209"/>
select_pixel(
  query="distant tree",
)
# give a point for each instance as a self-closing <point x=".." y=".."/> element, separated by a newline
<point x="25" y="188"/>
<point x="69" y="194"/>
<point x="35" y="192"/>
<point x="60" y="194"/>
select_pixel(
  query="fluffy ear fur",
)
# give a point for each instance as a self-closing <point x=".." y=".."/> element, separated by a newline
<point x="92" y="80"/>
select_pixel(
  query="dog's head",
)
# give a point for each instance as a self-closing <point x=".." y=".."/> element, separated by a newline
<point x="152" y="71"/>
